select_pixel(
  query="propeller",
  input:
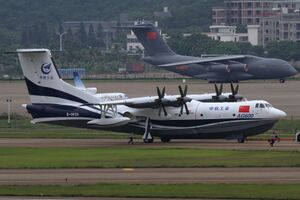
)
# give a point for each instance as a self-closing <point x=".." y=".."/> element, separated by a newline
<point x="219" y="91"/>
<point x="161" y="101"/>
<point x="183" y="99"/>
<point x="234" y="93"/>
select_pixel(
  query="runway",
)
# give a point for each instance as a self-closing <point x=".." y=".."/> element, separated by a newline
<point x="122" y="143"/>
<point x="150" y="175"/>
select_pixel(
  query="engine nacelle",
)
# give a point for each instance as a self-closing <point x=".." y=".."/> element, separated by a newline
<point x="219" y="68"/>
<point x="229" y="68"/>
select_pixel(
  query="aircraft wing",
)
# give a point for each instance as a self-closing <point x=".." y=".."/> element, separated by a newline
<point x="145" y="102"/>
<point x="205" y="60"/>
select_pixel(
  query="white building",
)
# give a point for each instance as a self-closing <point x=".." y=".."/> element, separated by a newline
<point x="133" y="45"/>
<point x="253" y="34"/>
<point x="228" y="34"/>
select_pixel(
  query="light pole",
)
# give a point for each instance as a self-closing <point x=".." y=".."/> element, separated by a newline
<point x="61" y="40"/>
<point x="8" y="101"/>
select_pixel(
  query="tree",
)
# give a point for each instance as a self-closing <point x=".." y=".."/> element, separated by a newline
<point x="82" y="34"/>
<point x="91" y="38"/>
<point x="100" y="37"/>
<point x="24" y="38"/>
<point x="286" y="50"/>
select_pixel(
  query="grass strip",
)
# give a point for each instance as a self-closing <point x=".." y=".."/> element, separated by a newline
<point x="140" y="157"/>
<point x="21" y="127"/>
<point x="224" y="191"/>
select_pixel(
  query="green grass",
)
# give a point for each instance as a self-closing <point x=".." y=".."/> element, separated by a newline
<point x="142" y="157"/>
<point x="224" y="191"/>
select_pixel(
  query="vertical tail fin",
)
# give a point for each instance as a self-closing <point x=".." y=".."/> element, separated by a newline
<point x="44" y="82"/>
<point x="151" y="39"/>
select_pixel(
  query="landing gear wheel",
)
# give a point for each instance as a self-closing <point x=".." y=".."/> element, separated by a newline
<point x="241" y="140"/>
<point x="148" y="140"/>
<point x="165" y="140"/>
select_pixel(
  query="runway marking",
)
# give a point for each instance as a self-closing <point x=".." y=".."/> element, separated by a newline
<point x="128" y="169"/>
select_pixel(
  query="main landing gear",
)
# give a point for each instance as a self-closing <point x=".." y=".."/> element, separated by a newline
<point x="165" y="140"/>
<point x="281" y="80"/>
<point x="147" y="137"/>
<point x="241" y="140"/>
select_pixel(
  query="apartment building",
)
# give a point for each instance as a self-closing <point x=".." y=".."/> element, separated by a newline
<point x="250" y="12"/>
<point x="283" y="27"/>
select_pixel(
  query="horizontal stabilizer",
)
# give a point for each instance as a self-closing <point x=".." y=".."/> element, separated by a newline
<point x="134" y="26"/>
<point x="27" y="51"/>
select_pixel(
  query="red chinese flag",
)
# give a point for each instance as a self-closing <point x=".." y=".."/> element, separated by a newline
<point x="244" y="109"/>
<point x="151" y="35"/>
<point x="182" y="67"/>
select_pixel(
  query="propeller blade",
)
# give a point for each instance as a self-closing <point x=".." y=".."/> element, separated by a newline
<point x="232" y="88"/>
<point x="163" y="92"/>
<point x="180" y="90"/>
<point x="217" y="90"/>
<point x="236" y="89"/>
<point x="158" y="92"/>
<point x="159" y="111"/>
<point x="186" y="109"/>
<point x="164" y="109"/>
<point x="181" y="110"/>
<point x="185" y="90"/>
<point x="221" y="89"/>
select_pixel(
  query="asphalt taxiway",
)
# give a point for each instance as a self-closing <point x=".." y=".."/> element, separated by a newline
<point x="149" y="175"/>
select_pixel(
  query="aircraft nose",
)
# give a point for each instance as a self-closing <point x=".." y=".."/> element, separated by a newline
<point x="291" y="70"/>
<point x="278" y="113"/>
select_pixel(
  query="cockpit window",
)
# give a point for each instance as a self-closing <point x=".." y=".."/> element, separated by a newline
<point x="261" y="105"/>
<point x="257" y="105"/>
<point x="268" y="105"/>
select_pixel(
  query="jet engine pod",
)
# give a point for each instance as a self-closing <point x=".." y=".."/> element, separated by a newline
<point x="222" y="68"/>
<point x="110" y="122"/>
<point x="239" y="67"/>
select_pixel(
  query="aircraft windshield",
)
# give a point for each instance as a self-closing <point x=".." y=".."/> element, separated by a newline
<point x="263" y="105"/>
<point x="268" y="105"/>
